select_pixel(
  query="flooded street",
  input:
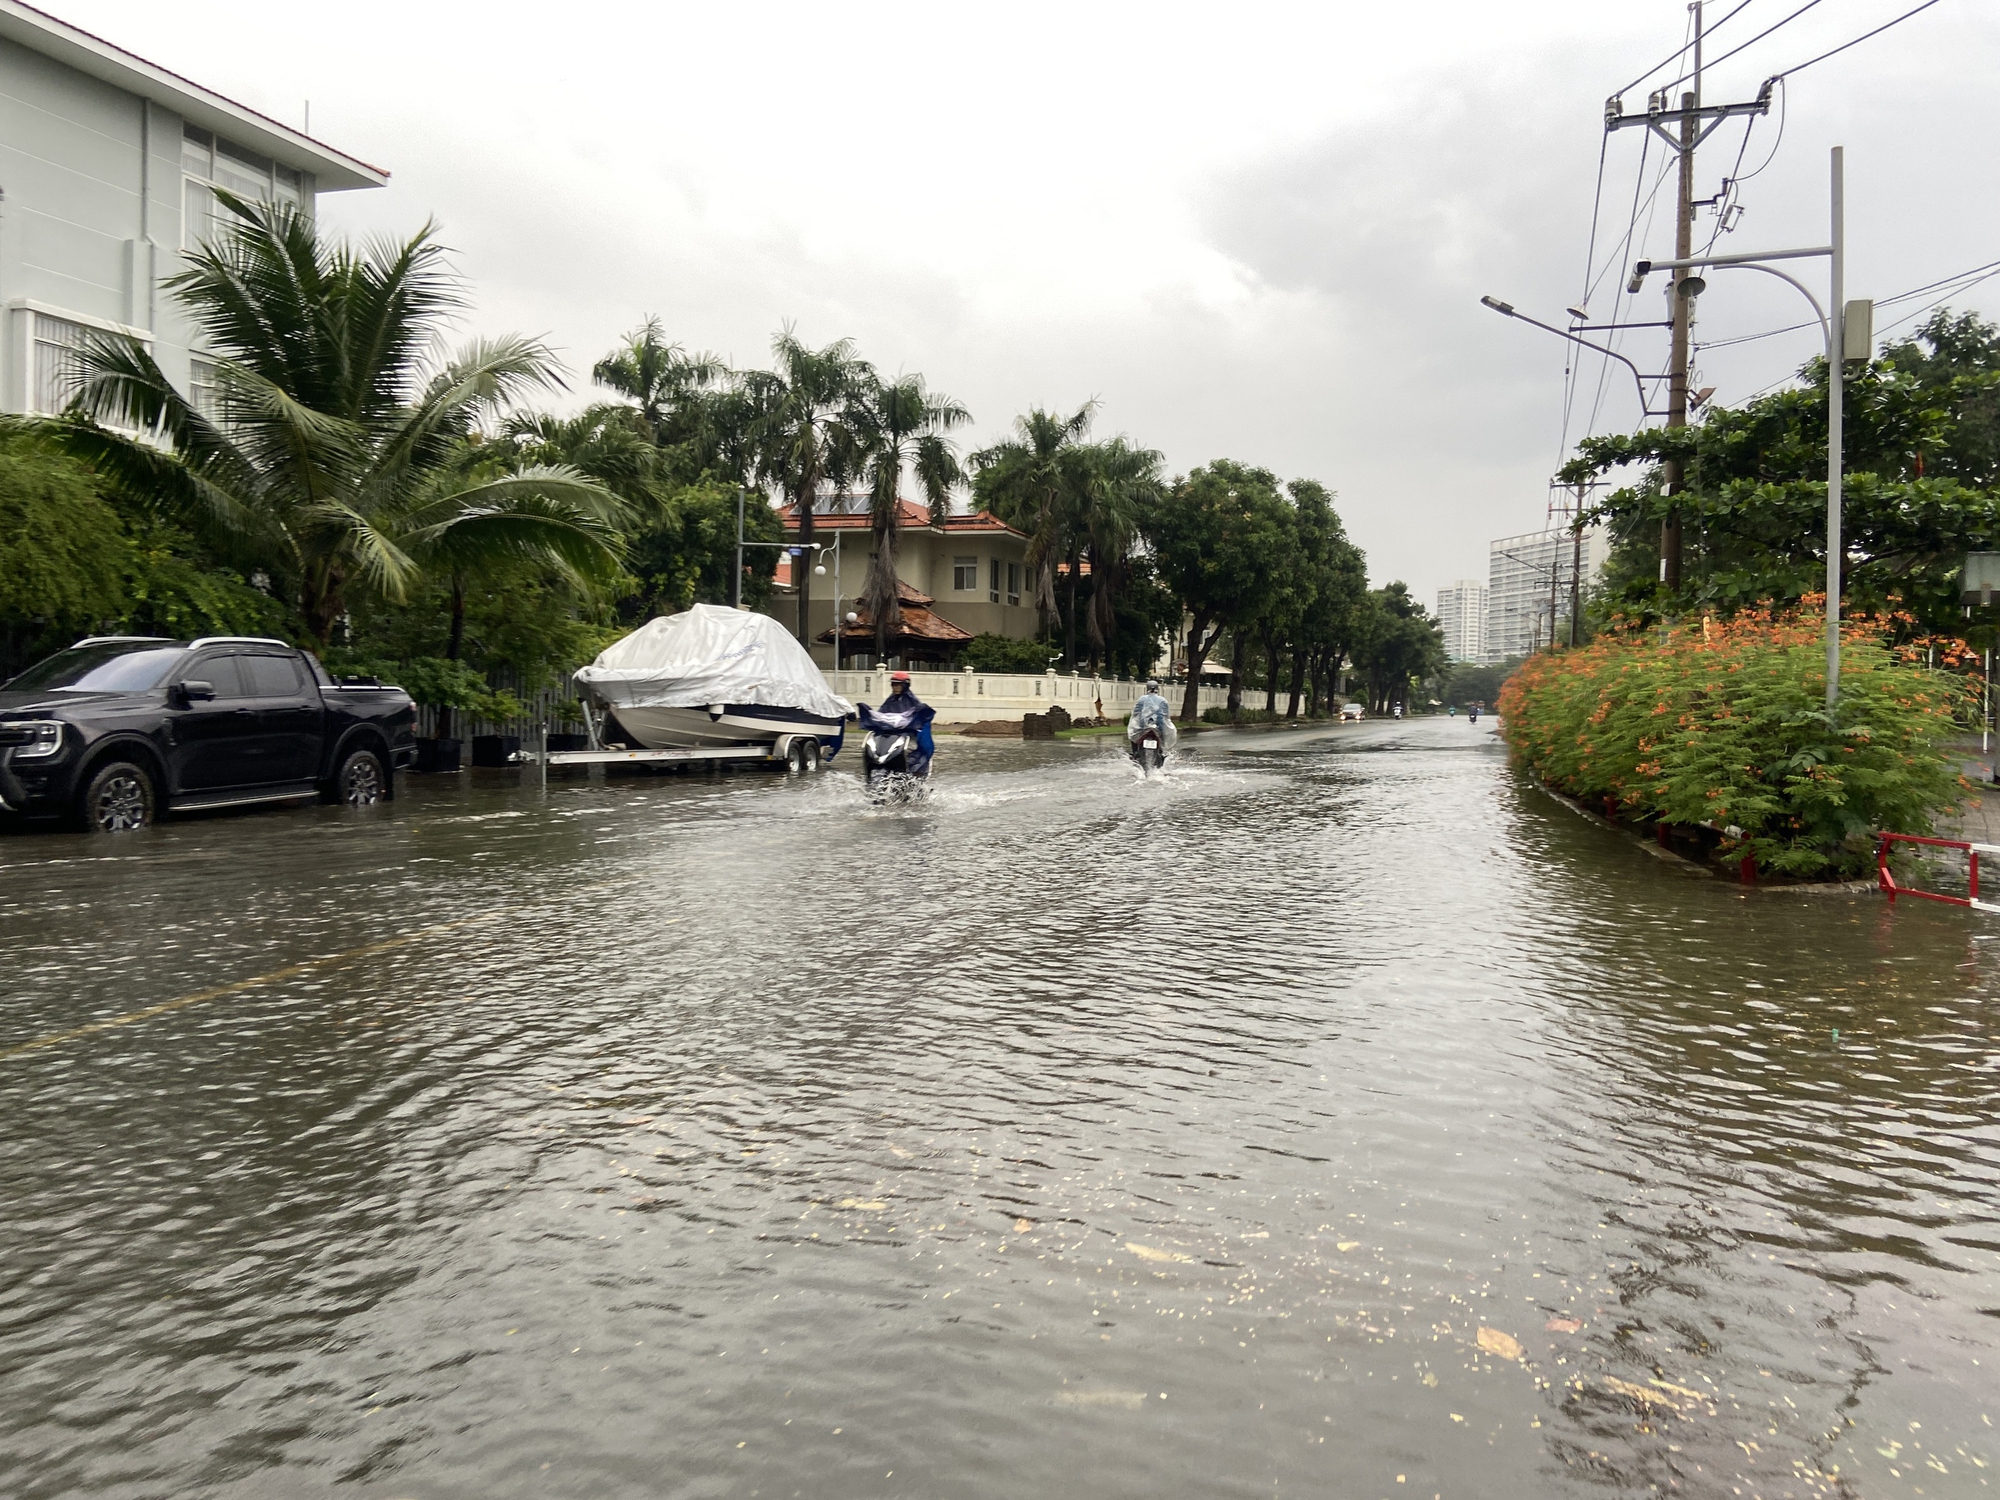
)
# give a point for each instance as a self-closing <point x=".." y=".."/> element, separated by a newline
<point x="1333" y="1115"/>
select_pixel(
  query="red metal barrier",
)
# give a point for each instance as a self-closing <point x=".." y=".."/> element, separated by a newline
<point x="1972" y="852"/>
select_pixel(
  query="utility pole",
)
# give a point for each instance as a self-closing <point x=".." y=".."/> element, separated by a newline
<point x="1681" y="311"/>
<point x="1696" y="123"/>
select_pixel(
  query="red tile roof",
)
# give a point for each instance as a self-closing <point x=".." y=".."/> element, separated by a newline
<point x="919" y="624"/>
<point x="909" y="512"/>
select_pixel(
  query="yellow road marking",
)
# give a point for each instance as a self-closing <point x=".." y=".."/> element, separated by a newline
<point x="288" y="972"/>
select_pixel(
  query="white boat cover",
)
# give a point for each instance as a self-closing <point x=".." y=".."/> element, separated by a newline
<point x="711" y="654"/>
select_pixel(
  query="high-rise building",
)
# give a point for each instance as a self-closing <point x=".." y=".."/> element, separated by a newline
<point x="1461" y="615"/>
<point x="1528" y="587"/>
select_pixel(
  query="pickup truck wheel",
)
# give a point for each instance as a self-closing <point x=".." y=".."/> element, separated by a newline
<point x="117" y="798"/>
<point x="360" y="782"/>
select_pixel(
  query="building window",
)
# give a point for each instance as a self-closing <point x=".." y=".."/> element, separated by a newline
<point x="209" y="162"/>
<point x="56" y="369"/>
<point x="205" y="389"/>
<point x="965" y="574"/>
<point x="993" y="593"/>
<point x="1013" y="583"/>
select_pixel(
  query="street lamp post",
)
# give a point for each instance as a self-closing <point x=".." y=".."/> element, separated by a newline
<point x="1833" y="322"/>
<point x="820" y="568"/>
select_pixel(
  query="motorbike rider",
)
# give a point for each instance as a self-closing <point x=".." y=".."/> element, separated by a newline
<point x="1151" y="711"/>
<point x="901" y="701"/>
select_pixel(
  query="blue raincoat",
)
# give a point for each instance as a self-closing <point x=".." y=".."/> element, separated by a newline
<point x="902" y="713"/>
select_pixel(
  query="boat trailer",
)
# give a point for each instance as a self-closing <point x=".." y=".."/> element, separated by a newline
<point x="799" y="754"/>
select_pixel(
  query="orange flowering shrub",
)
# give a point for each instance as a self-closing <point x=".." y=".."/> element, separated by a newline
<point x="1724" y="724"/>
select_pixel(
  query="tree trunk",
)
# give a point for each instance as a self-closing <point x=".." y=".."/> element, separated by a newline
<point x="1237" y="652"/>
<point x="1197" y="654"/>
<point x="1069" y="622"/>
<point x="1100" y="618"/>
<point x="1271" y="673"/>
<point x="801" y="565"/>
<point x="455" y="643"/>
<point x="885" y="604"/>
<point x="1298" y="682"/>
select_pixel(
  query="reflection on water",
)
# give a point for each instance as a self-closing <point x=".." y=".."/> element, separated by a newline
<point x="1330" y="1115"/>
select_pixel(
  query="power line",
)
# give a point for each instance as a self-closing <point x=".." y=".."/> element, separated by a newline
<point x="1673" y="57"/>
<point x="1760" y="37"/>
<point x="1964" y="281"/>
<point x="1858" y="40"/>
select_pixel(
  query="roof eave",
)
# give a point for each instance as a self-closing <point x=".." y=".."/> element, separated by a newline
<point x="333" y="171"/>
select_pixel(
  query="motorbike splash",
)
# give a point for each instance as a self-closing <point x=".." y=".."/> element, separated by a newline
<point x="896" y="753"/>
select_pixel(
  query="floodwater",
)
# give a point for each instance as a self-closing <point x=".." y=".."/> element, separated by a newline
<point x="1331" y="1116"/>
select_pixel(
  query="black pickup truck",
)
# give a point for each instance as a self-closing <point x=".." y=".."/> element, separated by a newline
<point x="117" y="730"/>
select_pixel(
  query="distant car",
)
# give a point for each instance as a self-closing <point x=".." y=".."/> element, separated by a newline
<point x="117" y="730"/>
<point x="1352" y="711"/>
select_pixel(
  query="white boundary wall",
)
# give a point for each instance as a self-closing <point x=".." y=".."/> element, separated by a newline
<point x="964" y="697"/>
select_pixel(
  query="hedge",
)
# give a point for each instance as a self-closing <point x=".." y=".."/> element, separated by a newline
<point x="1723" y="725"/>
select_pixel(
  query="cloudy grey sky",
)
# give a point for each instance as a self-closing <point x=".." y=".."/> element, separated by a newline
<point x="1255" y="231"/>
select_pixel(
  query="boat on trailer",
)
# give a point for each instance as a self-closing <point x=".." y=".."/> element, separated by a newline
<point x="712" y="678"/>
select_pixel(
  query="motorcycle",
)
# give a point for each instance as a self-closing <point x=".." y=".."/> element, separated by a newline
<point x="894" y="760"/>
<point x="1148" y="745"/>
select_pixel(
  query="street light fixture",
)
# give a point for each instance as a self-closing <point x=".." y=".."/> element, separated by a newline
<point x="1507" y="310"/>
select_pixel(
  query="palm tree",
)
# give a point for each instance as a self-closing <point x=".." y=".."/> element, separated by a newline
<point x="334" y="462"/>
<point x="1121" y="482"/>
<point x="801" y="427"/>
<point x="1034" y="482"/>
<point x="898" y="423"/>
<point x="677" y="393"/>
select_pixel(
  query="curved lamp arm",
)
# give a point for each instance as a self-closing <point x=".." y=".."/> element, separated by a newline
<point x="1825" y="328"/>
<point x="1506" y="310"/>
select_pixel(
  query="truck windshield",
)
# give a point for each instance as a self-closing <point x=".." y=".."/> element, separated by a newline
<point x="101" y="667"/>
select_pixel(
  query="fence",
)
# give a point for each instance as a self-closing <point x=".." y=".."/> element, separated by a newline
<point x="1940" y="864"/>
<point x="960" y="697"/>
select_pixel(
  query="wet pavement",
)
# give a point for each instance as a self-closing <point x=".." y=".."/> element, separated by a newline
<point x="1332" y="1115"/>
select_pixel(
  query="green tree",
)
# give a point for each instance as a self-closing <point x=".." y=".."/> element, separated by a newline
<point x="77" y="561"/>
<point x="1919" y="455"/>
<point x="1035" y="482"/>
<point x="897" y="424"/>
<point x="1324" y="632"/>
<point x="1398" y="644"/>
<point x="799" y="420"/>
<point x="1121" y="484"/>
<point x="691" y="405"/>
<point x="1215" y="538"/>
<point x="333" y="464"/>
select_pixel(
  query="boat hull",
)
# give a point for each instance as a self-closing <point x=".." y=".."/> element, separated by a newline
<point x="738" y="724"/>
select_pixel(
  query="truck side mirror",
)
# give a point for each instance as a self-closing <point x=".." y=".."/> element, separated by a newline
<point x="198" y="692"/>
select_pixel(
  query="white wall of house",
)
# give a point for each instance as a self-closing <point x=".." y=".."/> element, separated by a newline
<point x="102" y="156"/>
<point x="966" y="697"/>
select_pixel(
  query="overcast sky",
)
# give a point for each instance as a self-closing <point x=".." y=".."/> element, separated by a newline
<point x="1251" y="231"/>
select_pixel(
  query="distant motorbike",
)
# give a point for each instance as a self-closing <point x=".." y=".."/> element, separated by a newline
<point x="1148" y="745"/>
<point x="894" y="759"/>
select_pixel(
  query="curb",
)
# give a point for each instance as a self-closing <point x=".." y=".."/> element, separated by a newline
<point x="1691" y="867"/>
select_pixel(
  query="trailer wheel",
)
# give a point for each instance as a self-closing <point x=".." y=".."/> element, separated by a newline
<point x="809" y="751"/>
<point x="795" y="758"/>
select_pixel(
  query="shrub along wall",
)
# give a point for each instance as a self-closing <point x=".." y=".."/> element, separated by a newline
<point x="1723" y="725"/>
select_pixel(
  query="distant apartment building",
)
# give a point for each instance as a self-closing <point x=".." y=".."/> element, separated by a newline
<point x="1461" y="614"/>
<point x="108" y="171"/>
<point x="1528" y="587"/>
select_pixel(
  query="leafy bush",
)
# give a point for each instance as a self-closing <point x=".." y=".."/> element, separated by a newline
<point x="987" y="652"/>
<point x="434" y="681"/>
<point x="1724" y="726"/>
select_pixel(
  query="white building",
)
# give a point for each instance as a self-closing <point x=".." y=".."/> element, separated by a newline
<point x="1461" y="613"/>
<point x="1528" y="587"/>
<point x="107" y="169"/>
